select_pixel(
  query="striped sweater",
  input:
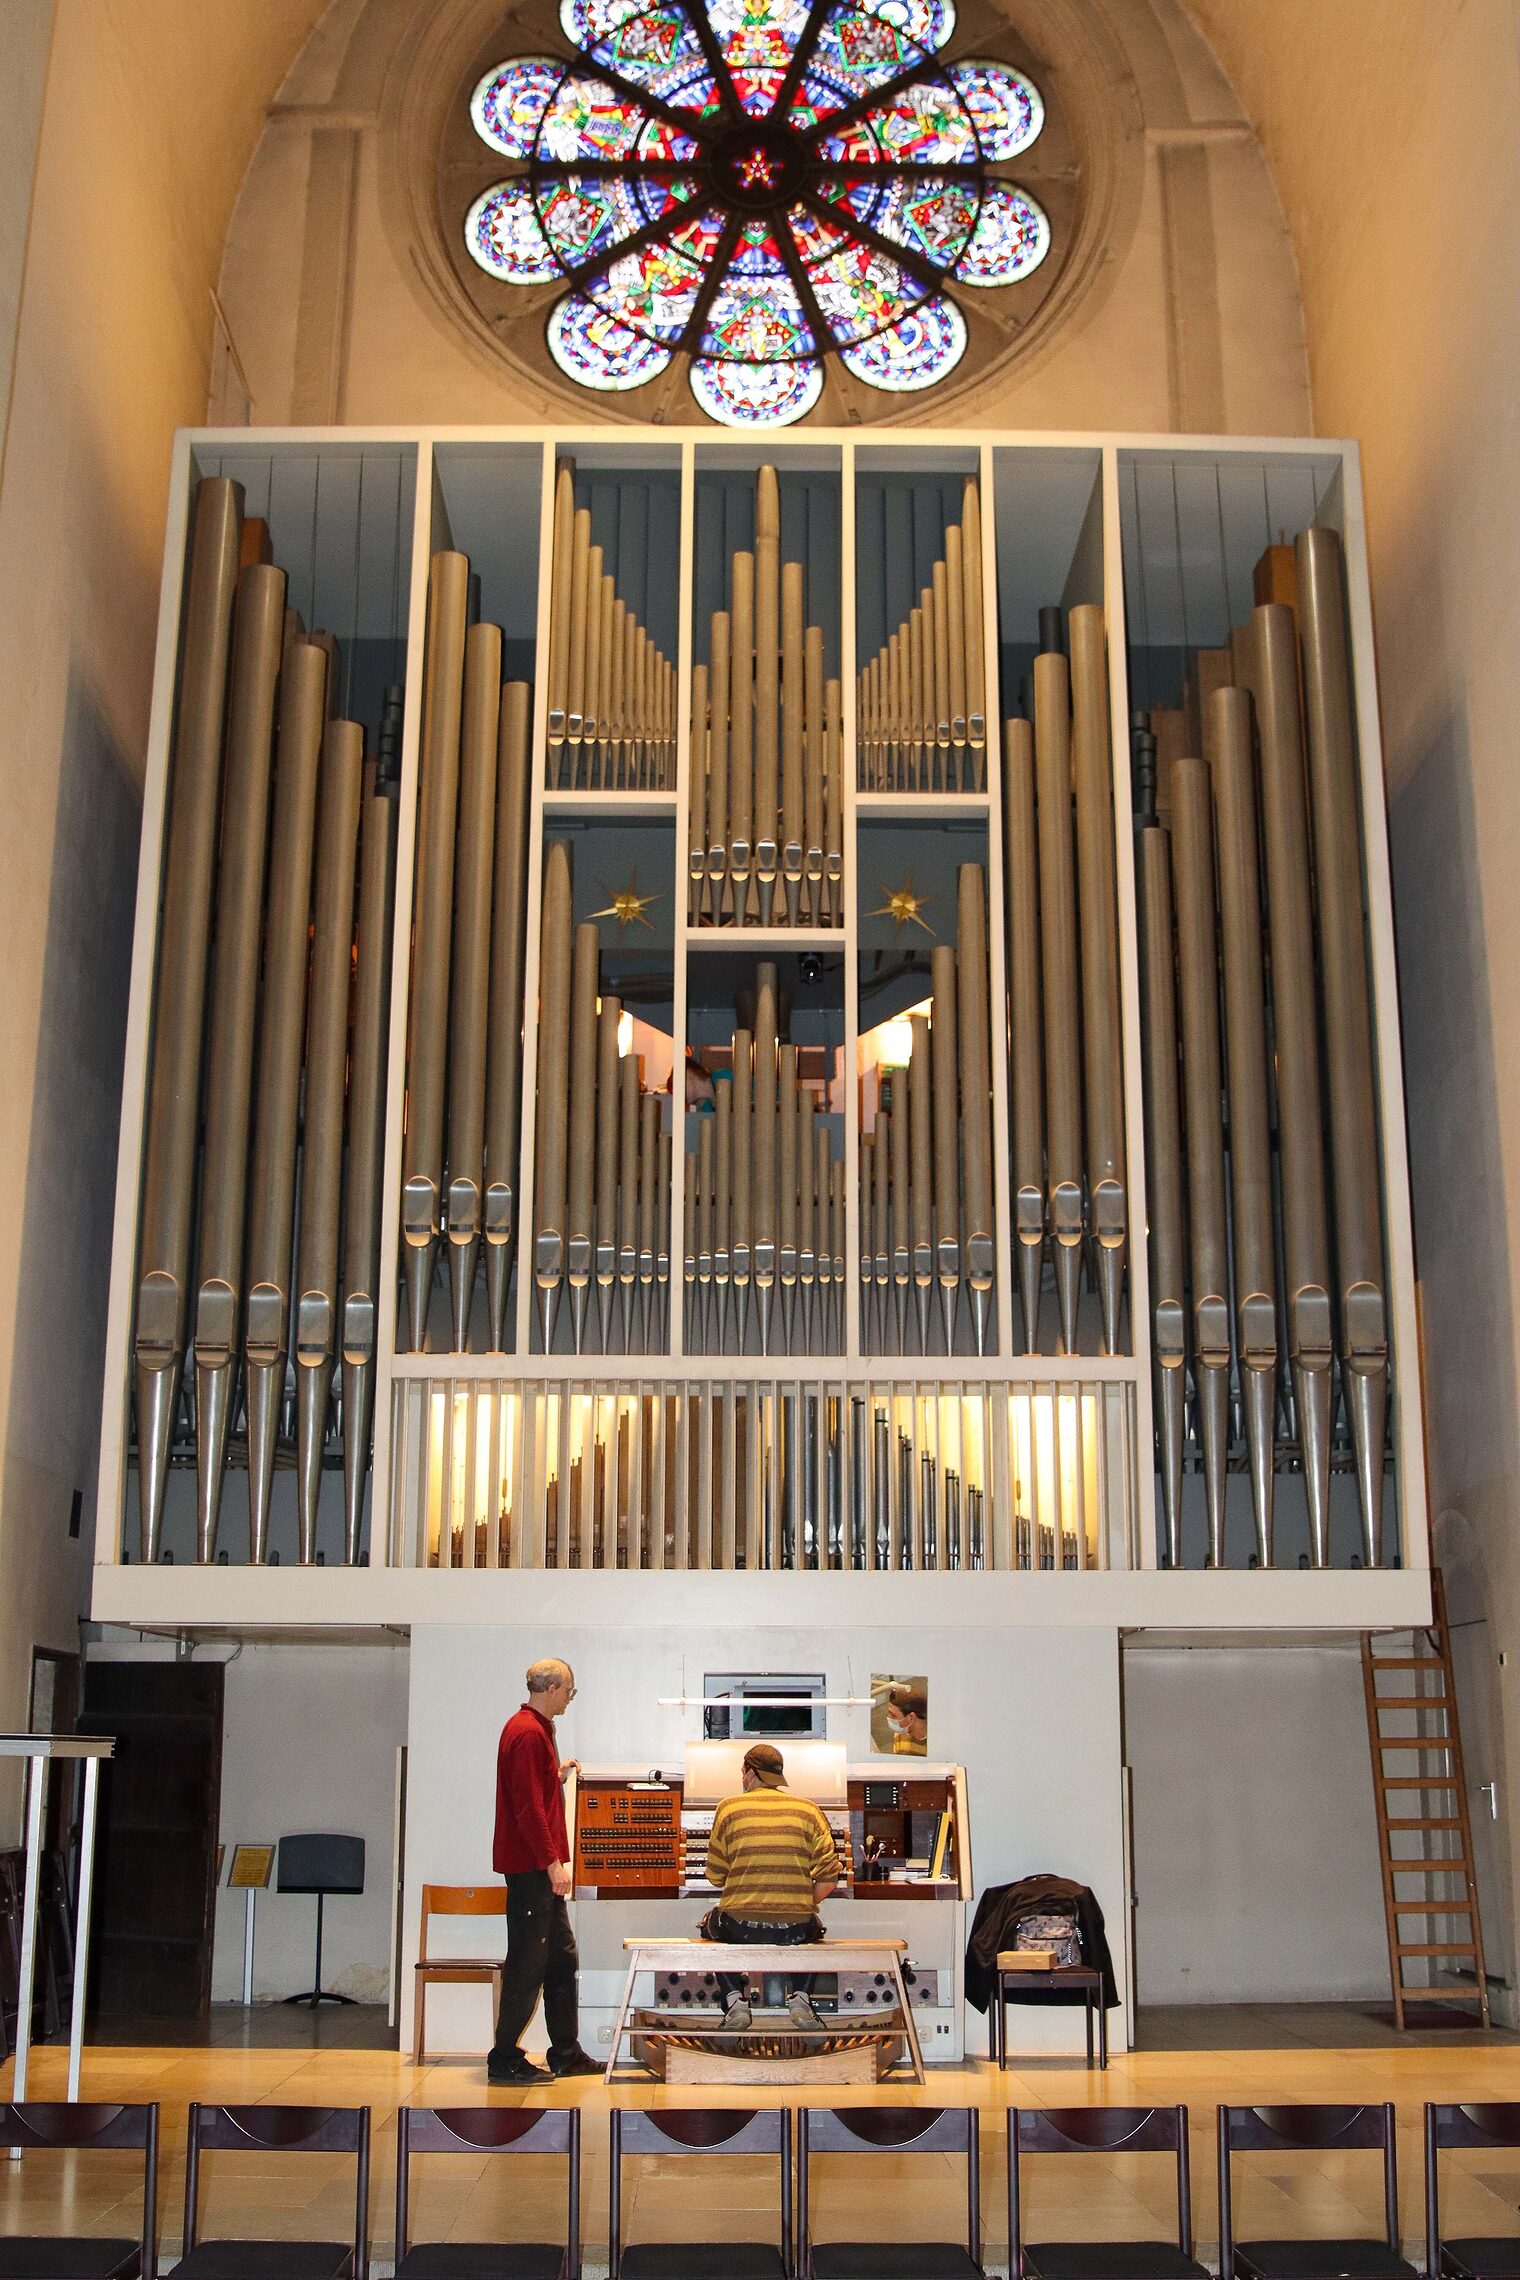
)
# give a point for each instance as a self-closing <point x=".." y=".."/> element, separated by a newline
<point x="767" y="1851"/>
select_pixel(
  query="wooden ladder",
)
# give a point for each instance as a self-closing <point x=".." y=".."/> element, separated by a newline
<point x="1415" y="1722"/>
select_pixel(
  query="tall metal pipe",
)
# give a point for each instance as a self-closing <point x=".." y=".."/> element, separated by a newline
<point x="767" y="683"/>
<point x="980" y="1244"/>
<point x="1021" y="887"/>
<point x="741" y="1247"/>
<point x="944" y="1035"/>
<point x="552" y="1133"/>
<point x="1350" y="1081"/>
<point x="318" y="1296"/>
<point x="720" y="696"/>
<point x="1250" y="1114"/>
<point x="921" y="1175"/>
<point x="282" y="1029"/>
<point x="816" y="774"/>
<point x="259" y="622"/>
<point x="580" y="1209"/>
<point x="179" y="997"/>
<point x="559" y="612"/>
<point x="833" y="805"/>
<point x="763" y="1097"/>
<point x="1295" y="1030"/>
<point x="366" y="1152"/>
<point x="470" y="980"/>
<point x="607" y="1081"/>
<point x="741" y="732"/>
<point x="792" y="738"/>
<point x="1163" y="1157"/>
<point x="427" y="1034"/>
<point x="976" y="667"/>
<point x="1203" y="1097"/>
<point x="1059" y="970"/>
<point x="1092" y="768"/>
<point x="505" y="1044"/>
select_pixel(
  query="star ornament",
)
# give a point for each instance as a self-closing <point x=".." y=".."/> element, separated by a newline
<point x="694" y="157"/>
<point x="628" y="906"/>
<point x="904" y="907"/>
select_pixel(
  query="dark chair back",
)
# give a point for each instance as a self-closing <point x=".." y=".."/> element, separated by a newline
<point x="491" y="2129"/>
<point x="1099" y="2129"/>
<point x="280" y="2129"/>
<point x="892" y="2129"/>
<point x="1459" y="2129"/>
<point x="696" y="2129"/>
<point x="133" y="2129"/>
<point x="1306" y="2129"/>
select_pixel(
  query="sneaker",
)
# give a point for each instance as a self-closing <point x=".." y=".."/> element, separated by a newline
<point x="738" y="2018"/>
<point x="578" y="2062"/>
<point x="799" y="2009"/>
<point x="517" y="2068"/>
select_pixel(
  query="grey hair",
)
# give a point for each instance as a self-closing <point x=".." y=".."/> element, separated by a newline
<point x="543" y="1675"/>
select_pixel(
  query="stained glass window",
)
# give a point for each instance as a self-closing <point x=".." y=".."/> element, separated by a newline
<point x="752" y="186"/>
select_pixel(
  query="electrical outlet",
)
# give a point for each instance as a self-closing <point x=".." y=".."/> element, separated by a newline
<point x="942" y="2028"/>
<point x="604" y="2034"/>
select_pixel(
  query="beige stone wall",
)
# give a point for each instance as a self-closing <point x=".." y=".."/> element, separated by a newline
<point x="1186" y="314"/>
<point x="1393" y="134"/>
<point x="149" y="112"/>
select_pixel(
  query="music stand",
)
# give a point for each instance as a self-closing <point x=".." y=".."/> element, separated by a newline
<point x="320" y="1864"/>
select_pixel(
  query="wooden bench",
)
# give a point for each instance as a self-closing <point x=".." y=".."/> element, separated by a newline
<point x="817" y="1955"/>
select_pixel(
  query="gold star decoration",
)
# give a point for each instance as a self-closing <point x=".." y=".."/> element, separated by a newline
<point x="628" y="906"/>
<point x="904" y="907"/>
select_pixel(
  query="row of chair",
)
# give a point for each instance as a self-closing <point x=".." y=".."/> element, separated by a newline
<point x="768" y="2132"/>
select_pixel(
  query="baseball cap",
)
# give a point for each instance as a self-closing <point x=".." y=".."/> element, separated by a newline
<point x="765" y="1762"/>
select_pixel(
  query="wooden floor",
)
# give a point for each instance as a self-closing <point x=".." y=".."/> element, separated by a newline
<point x="1241" y="2055"/>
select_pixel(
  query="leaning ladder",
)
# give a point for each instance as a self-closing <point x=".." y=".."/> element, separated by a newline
<point x="1413" y="1724"/>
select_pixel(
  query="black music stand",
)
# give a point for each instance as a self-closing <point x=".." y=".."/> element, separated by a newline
<point x="320" y="1864"/>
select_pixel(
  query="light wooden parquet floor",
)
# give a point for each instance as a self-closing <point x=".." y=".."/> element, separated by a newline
<point x="1200" y="2057"/>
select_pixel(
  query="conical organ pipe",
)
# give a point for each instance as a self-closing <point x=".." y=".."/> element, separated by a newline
<point x="316" y="1332"/>
<point x="259" y="624"/>
<point x="1022" y="889"/>
<point x="1163" y="1157"/>
<point x="366" y="1125"/>
<point x="1203" y="1098"/>
<point x="427" y="1034"/>
<point x="1354" y="1156"/>
<point x="1058" y="944"/>
<point x="553" y="1080"/>
<point x="504" y="1050"/>
<point x="1092" y="767"/>
<point x="282" y="1029"/>
<point x="179" y="998"/>
<point x="976" y="1093"/>
<point x="1295" y="1030"/>
<point x="470" y="981"/>
<point x="1250" y="1114"/>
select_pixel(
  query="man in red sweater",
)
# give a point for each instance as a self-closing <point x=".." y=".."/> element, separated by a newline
<point x="532" y="1851"/>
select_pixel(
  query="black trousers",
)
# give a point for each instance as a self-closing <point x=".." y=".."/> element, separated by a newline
<point x="541" y="1960"/>
<point x="733" y="1931"/>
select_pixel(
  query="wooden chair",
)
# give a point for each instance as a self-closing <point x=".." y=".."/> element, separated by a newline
<point x="488" y="2129"/>
<point x="455" y="1970"/>
<point x="1310" y="2129"/>
<point x="265" y="2130"/>
<point x="1102" y="2129"/>
<point x="1475" y="2128"/>
<point x="31" y="2127"/>
<point x="890" y="2129"/>
<point x="699" y="2129"/>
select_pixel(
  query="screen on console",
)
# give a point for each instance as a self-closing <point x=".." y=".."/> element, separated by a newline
<point x="714" y="1770"/>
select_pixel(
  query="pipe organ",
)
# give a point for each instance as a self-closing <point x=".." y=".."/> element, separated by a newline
<point x="824" y="1011"/>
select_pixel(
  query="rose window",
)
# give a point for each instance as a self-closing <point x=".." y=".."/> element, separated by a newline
<point x="755" y="185"/>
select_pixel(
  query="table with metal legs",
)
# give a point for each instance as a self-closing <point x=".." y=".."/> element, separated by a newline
<point x="40" y="1752"/>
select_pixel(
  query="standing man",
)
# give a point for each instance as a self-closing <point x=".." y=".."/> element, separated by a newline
<point x="773" y="1859"/>
<point x="532" y="1851"/>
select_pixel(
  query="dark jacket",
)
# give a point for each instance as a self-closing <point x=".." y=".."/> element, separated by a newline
<point x="1005" y="1906"/>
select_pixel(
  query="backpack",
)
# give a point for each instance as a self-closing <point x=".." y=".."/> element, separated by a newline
<point x="1055" y="1935"/>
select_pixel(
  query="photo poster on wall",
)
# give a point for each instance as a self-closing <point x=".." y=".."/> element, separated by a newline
<point x="899" y="1715"/>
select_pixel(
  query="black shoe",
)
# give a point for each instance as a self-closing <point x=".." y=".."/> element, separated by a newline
<point x="503" y="2071"/>
<point x="579" y="2062"/>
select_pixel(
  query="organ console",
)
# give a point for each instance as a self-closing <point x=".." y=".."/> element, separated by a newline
<point x="900" y="1836"/>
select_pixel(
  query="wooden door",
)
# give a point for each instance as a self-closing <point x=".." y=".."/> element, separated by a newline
<point x="156" y="1848"/>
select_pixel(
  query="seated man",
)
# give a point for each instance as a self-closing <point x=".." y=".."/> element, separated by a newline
<point x="772" y="1857"/>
